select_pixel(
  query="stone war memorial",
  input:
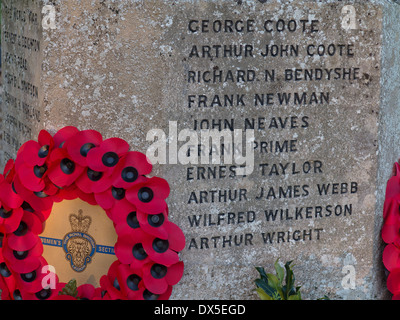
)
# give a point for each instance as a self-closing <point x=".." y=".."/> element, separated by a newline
<point x="274" y="123"/>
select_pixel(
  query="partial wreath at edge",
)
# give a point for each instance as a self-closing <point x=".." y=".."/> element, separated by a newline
<point x="391" y="232"/>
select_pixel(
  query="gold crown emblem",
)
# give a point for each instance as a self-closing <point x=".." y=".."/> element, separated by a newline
<point x="80" y="223"/>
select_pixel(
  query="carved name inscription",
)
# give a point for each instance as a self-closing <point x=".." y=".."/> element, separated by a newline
<point x="21" y="73"/>
<point x="296" y="84"/>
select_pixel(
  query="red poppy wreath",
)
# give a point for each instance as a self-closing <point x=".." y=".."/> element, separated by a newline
<point x="391" y="232"/>
<point x="80" y="164"/>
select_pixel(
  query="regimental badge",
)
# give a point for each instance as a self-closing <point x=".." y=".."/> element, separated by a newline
<point x="78" y="245"/>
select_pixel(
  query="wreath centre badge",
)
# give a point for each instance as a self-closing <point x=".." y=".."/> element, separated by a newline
<point x="79" y="241"/>
<point x="78" y="245"/>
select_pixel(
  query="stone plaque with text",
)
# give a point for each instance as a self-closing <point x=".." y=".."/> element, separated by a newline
<point x="274" y="123"/>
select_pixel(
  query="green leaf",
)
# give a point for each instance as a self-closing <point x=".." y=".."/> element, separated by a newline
<point x="274" y="282"/>
<point x="289" y="281"/>
<point x="263" y="295"/>
<point x="269" y="284"/>
<point x="276" y="296"/>
<point x="264" y="286"/>
<point x="280" y="271"/>
<point x="262" y="273"/>
<point x="70" y="289"/>
<point x="295" y="297"/>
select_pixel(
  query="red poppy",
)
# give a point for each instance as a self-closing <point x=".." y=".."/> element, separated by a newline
<point x="130" y="170"/>
<point x="396" y="296"/>
<point x="72" y="192"/>
<point x="148" y="295"/>
<point x="111" y="197"/>
<point x="110" y="285"/>
<point x="63" y="135"/>
<point x="33" y="177"/>
<point x="391" y="226"/>
<point x="393" y="281"/>
<point x="80" y="144"/>
<point x="10" y="219"/>
<point x="46" y="294"/>
<point x="175" y="236"/>
<point x="23" y="261"/>
<point x="8" y="193"/>
<point x="32" y="281"/>
<point x="50" y="188"/>
<point x="157" y="277"/>
<point x="42" y="215"/>
<point x="26" y="235"/>
<point x="149" y="196"/>
<point x="91" y="181"/>
<point x="392" y="191"/>
<point x="164" y="251"/>
<point x="7" y="285"/>
<point x="106" y="156"/>
<point x="7" y="279"/>
<point x="391" y="257"/>
<point x="31" y="163"/>
<point x="154" y="224"/>
<point x="130" y="282"/>
<point x="66" y="193"/>
<point x="124" y="216"/>
<point x="9" y="170"/>
<point x="39" y="201"/>
<point x="129" y="249"/>
<point x="88" y="292"/>
<point x="35" y="153"/>
<point x="393" y="184"/>
<point x="63" y="171"/>
<point x="122" y="281"/>
<point x="87" y="197"/>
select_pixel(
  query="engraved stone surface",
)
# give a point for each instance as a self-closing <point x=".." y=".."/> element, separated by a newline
<point x="310" y="85"/>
